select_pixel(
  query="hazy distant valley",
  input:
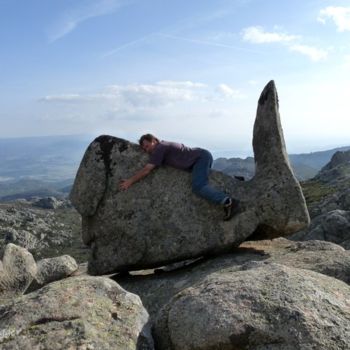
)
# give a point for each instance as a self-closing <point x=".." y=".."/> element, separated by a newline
<point x="39" y="166"/>
<point x="46" y="166"/>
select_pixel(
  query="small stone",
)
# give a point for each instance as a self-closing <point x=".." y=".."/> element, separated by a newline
<point x="53" y="269"/>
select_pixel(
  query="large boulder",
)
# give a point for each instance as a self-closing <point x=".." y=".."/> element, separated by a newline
<point x="76" y="313"/>
<point x="157" y="288"/>
<point x="262" y="306"/>
<point x="17" y="270"/>
<point x="333" y="226"/>
<point x="158" y="220"/>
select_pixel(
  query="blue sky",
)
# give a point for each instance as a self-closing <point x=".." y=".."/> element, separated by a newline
<point x="188" y="71"/>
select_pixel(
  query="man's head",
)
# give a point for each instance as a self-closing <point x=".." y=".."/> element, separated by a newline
<point x="148" y="142"/>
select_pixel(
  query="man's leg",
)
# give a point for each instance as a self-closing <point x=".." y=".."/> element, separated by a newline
<point x="200" y="178"/>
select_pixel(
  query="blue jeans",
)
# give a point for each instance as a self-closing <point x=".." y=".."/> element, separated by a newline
<point x="200" y="178"/>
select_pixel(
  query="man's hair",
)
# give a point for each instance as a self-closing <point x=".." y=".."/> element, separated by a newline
<point x="147" y="137"/>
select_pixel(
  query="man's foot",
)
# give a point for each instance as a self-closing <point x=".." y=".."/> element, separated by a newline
<point x="232" y="207"/>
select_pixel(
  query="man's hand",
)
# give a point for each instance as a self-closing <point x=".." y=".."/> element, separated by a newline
<point x="125" y="184"/>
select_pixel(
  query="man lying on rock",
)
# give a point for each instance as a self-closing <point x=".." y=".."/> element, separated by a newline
<point x="196" y="160"/>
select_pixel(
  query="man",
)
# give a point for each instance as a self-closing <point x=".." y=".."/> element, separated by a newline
<point x="196" y="160"/>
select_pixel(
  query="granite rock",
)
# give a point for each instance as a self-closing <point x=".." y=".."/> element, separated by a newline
<point x="17" y="270"/>
<point x="333" y="226"/>
<point x="261" y="306"/>
<point x="53" y="269"/>
<point x="157" y="287"/>
<point x="76" y="313"/>
<point x="159" y="220"/>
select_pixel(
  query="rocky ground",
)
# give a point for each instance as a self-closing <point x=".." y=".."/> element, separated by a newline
<point x="328" y="200"/>
<point x="46" y="227"/>
<point x="279" y="294"/>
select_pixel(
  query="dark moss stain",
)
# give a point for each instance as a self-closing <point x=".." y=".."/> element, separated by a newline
<point x="54" y="319"/>
<point x="106" y="145"/>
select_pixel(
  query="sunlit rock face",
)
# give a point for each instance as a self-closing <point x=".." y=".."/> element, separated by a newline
<point x="17" y="270"/>
<point x="159" y="220"/>
<point x="83" y="312"/>
<point x="259" y="306"/>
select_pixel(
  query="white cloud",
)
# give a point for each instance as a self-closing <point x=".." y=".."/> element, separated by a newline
<point x="72" y="18"/>
<point x="228" y="92"/>
<point x="257" y="35"/>
<point x="61" y="98"/>
<point x="339" y="15"/>
<point x="137" y="101"/>
<point x="313" y="53"/>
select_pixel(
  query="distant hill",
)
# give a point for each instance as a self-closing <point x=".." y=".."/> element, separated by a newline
<point x="309" y="164"/>
<point x="236" y="166"/>
<point x="40" y="166"/>
<point x="29" y="188"/>
<point x="46" y="166"/>
<point x="50" y="158"/>
<point x="305" y="165"/>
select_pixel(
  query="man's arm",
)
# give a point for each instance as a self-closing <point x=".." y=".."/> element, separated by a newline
<point x="126" y="183"/>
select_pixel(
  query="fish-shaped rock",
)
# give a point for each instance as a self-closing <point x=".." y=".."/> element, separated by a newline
<point x="159" y="220"/>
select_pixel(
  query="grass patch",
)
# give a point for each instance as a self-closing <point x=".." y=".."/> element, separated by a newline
<point x="315" y="191"/>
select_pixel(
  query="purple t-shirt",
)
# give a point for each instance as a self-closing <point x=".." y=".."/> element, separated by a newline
<point x="174" y="154"/>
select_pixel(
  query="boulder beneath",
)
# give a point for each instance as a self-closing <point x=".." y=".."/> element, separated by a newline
<point x="76" y="313"/>
<point x="159" y="220"/>
<point x="17" y="270"/>
<point x="157" y="288"/>
<point x="262" y="306"/>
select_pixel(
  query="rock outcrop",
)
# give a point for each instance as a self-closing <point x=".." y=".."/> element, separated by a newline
<point x="17" y="270"/>
<point x="45" y="233"/>
<point x="261" y="306"/>
<point x="328" y="200"/>
<point x="333" y="226"/>
<point x="48" y="203"/>
<point x="157" y="289"/>
<point x="76" y="313"/>
<point x="159" y="220"/>
<point x="338" y="158"/>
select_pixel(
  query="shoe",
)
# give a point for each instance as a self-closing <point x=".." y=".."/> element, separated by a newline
<point x="231" y="208"/>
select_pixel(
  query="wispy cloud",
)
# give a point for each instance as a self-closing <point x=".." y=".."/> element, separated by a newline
<point x="77" y="15"/>
<point x="339" y="15"/>
<point x="174" y="30"/>
<point x="313" y="53"/>
<point x="140" y="100"/>
<point x="206" y="42"/>
<point x="126" y="45"/>
<point x="228" y="92"/>
<point x="148" y="37"/>
<point x="257" y="35"/>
